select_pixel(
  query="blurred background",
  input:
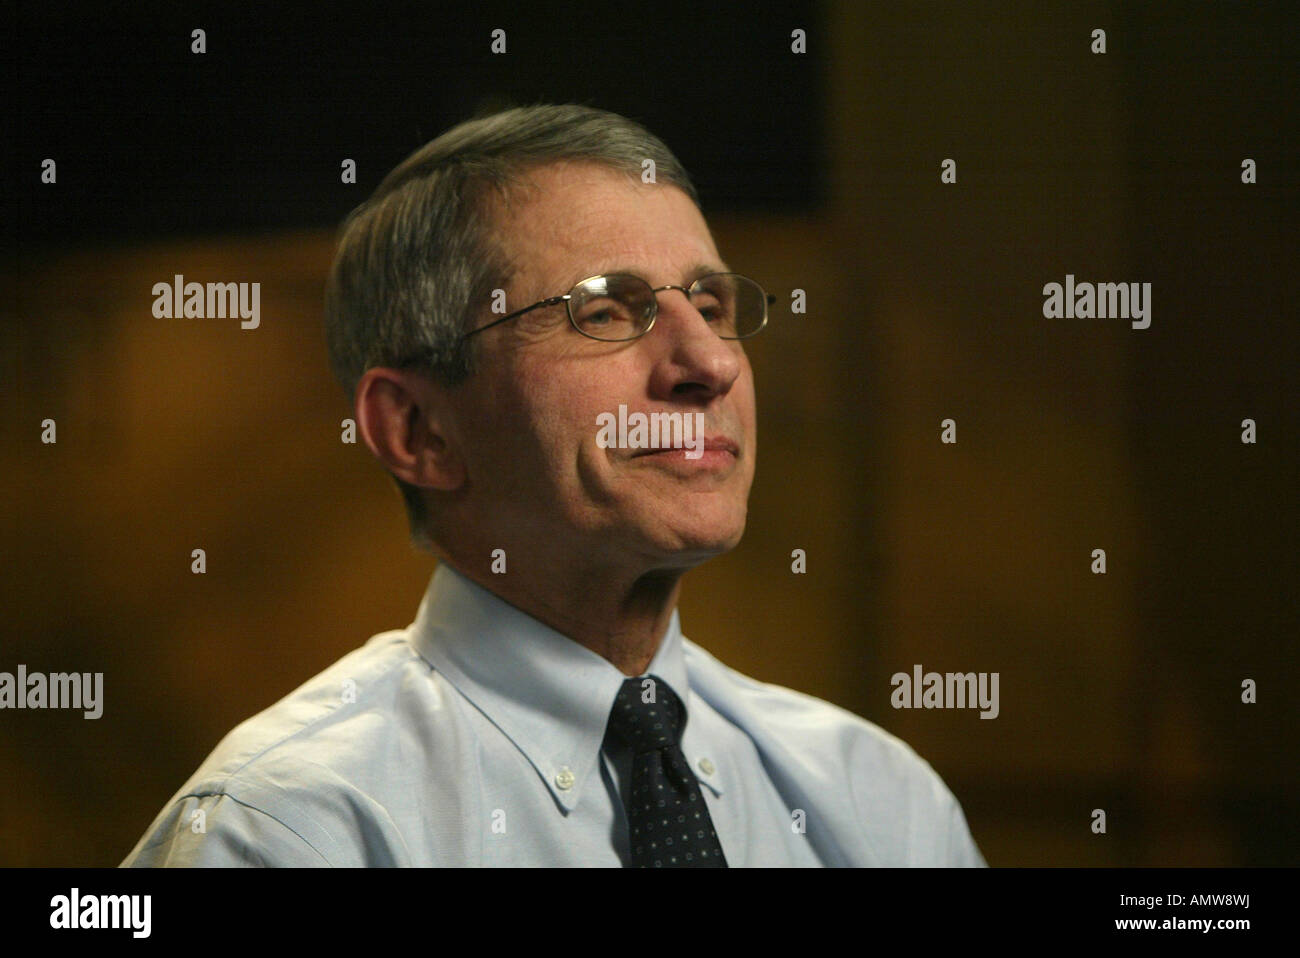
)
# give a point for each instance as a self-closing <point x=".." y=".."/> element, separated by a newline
<point x="818" y="171"/>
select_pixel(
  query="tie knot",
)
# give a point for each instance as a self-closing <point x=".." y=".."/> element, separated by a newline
<point x="647" y="715"/>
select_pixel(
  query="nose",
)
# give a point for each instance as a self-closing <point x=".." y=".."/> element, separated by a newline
<point x="695" y="358"/>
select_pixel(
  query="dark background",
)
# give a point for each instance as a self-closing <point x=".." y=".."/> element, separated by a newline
<point x="818" y="172"/>
<point x="159" y="141"/>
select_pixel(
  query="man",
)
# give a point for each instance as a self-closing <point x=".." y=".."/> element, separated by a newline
<point x="544" y="708"/>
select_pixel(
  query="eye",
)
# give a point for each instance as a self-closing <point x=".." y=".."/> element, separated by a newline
<point x="599" y="312"/>
<point x="709" y="307"/>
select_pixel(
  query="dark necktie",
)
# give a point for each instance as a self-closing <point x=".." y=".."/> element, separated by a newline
<point x="668" y="822"/>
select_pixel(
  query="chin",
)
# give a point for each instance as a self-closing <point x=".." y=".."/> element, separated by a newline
<point x="701" y="540"/>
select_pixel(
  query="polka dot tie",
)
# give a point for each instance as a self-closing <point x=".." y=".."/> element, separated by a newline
<point x="668" y="822"/>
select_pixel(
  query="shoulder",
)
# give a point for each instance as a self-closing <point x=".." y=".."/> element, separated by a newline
<point x="875" y="782"/>
<point x="298" y="783"/>
<point x="797" y="717"/>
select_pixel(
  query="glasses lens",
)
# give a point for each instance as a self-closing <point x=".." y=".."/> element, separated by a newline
<point x="734" y="305"/>
<point x="612" y="307"/>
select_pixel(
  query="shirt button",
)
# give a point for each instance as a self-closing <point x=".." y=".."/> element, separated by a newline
<point x="564" y="779"/>
<point x="706" y="766"/>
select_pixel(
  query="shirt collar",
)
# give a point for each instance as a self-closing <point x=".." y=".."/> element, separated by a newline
<point x="548" y="694"/>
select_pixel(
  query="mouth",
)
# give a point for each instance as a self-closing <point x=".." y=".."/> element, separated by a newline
<point x="716" y="460"/>
<point x="716" y="445"/>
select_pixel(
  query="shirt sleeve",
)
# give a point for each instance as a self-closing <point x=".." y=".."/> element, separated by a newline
<point x="218" y="831"/>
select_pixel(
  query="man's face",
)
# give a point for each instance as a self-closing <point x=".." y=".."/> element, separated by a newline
<point x="535" y="467"/>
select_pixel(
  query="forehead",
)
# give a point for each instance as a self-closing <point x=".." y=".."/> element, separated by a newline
<point x="568" y="221"/>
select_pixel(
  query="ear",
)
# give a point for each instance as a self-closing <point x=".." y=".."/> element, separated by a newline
<point x="409" y="424"/>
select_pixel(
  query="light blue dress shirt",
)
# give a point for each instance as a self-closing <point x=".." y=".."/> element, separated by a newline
<point x="474" y="738"/>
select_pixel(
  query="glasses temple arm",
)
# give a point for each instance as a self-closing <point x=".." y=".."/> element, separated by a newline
<point x="527" y="309"/>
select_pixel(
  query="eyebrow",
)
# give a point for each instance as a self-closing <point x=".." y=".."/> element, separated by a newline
<point x="694" y="273"/>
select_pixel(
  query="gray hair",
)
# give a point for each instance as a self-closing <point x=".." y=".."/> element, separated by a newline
<point x="418" y="261"/>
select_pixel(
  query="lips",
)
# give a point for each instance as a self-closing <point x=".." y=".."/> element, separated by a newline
<point x="711" y="444"/>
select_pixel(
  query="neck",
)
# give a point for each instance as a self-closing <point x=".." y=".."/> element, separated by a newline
<point x="621" y="616"/>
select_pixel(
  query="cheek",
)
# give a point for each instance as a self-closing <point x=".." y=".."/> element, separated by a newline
<point x="564" y="397"/>
<point x="554" y="416"/>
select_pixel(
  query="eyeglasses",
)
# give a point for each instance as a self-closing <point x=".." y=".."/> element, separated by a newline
<point x="619" y="306"/>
